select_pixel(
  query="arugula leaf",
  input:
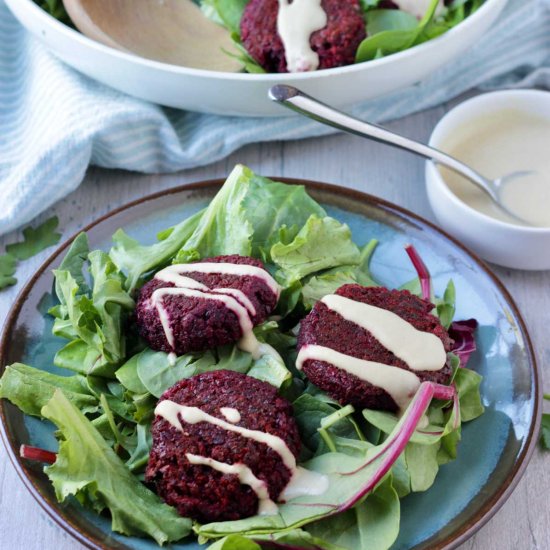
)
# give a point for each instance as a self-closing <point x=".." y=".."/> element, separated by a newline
<point x="8" y="264"/>
<point x="35" y="240"/>
<point x="30" y="389"/>
<point x="74" y="262"/>
<point x="89" y="469"/>
<point x="322" y="243"/>
<point x="92" y="321"/>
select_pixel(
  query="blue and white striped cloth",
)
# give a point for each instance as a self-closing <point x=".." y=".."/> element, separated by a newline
<point x="54" y="122"/>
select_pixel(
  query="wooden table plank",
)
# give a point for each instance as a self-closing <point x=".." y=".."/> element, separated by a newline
<point x="524" y="521"/>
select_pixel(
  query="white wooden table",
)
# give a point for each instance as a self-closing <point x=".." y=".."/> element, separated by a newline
<point x="524" y="521"/>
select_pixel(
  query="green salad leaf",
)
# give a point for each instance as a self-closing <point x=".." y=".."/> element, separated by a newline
<point x="545" y="431"/>
<point x="227" y="12"/>
<point x="371" y="525"/>
<point x="322" y="243"/>
<point x="91" y="318"/>
<point x="89" y="469"/>
<point x="30" y="389"/>
<point x="137" y="260"/>
<point x="331" y="280"/>
<point x="247" y="215"/>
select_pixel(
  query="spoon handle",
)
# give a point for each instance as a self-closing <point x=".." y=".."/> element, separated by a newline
<point x="306" y="105"/>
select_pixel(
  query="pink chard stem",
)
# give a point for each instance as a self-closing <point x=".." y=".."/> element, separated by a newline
<point x="422" y="270"/>
<point x="396" y="444"/>
<point x="37" y="454"/>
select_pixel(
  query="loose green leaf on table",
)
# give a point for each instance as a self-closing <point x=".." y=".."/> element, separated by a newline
<point x="545" y="431"/>
<point x="545" y="427"/>
<point x="35" y="240"/>
<point x="8" y="265"/>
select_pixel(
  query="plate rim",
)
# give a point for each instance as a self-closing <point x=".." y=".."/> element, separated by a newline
<point x="454" y="539"/>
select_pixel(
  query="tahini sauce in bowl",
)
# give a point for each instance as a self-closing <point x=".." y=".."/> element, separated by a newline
<point x="497" y="133"/>
<point x="499" y="143"/>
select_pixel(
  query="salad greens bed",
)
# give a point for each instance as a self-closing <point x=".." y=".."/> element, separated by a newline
<point x="104" y="406"/>
<point x="388" y="30"/>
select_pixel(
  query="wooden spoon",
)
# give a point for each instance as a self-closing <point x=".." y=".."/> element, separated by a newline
<point x="171" y="31"/>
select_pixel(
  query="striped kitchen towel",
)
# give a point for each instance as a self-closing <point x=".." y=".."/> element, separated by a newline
<point x="54" y="122"/>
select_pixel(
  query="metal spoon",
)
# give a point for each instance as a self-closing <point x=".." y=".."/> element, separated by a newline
<point x="304" y="104"/>
<point x="171" y="31"/>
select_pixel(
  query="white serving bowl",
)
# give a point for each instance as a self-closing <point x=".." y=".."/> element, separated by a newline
<point x="499" y="242"/>
<point x="246" y="94"/>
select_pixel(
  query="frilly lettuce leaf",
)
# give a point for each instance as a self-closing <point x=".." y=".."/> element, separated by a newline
<point x="247" y="215"/>
<point x="319" y="286"/>
<point x="322" y="243"/>
<point x="89" y="469"/>
<point x="30" y="389"/>
<point x="91" y="319"/>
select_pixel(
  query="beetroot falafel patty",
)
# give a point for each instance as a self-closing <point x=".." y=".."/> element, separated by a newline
<point x="336" y="44"/>
<point x="324" y="327"/>
<point x="198" y="324"/>
<point x="200" y="491"/>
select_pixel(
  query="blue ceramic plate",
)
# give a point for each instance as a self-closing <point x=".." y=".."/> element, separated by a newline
<point x="495" y="448"/>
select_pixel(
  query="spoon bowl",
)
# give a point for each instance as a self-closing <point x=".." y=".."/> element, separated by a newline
<point x="170" y="31"/>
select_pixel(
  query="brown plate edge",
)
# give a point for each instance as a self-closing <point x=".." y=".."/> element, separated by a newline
<point x="454" y="540"/>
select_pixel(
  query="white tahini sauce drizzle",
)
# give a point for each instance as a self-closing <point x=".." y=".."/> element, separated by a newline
<point x="266" y="506"/>
<point x="172" y="412"/>
<point x="399" y="383"/>
<point x="305" y="482"/>
<point x="422" y="351"/>
<point x="302" y="482"/>
<point x="296" y="22"/>
<point x="241" y="270"/>
<point x="231" y="414"/>
<point x="248" y="341"/>
<point x="234" y="299"/>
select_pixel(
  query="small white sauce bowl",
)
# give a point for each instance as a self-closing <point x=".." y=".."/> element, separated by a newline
<point x="496" y="241"/>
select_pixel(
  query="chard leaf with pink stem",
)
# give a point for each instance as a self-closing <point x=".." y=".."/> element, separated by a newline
<point x="351" y="478"/>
